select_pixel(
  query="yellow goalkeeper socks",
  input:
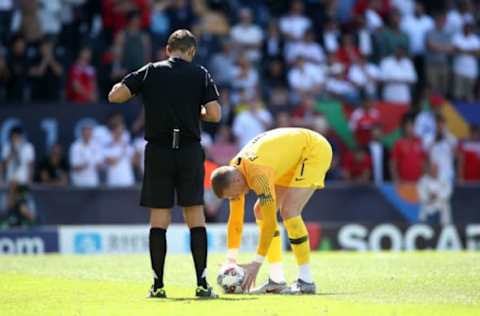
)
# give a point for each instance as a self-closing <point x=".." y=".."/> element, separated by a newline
<point x="298" y="236"/>
<point x="274" y="256"/>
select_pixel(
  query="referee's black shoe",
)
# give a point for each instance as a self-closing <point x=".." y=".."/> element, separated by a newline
<point x="205" y="293"/>
<point x="157" y="293"/>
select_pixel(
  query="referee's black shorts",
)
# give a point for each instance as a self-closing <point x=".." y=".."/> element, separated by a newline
<point x="173" y="171"/>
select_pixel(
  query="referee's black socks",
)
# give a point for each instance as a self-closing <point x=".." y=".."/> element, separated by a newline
<point x="198" y="246"/>
<point x="158" y="250"/>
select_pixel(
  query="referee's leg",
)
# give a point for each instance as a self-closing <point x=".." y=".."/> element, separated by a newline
<point x="195" y="219"/>
<point x="160" y="218"/>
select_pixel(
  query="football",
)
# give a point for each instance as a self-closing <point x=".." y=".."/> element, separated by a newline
<point x="230" y="278"/>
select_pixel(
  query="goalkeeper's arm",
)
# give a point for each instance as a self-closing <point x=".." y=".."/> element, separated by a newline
<point x="235" y="227"/>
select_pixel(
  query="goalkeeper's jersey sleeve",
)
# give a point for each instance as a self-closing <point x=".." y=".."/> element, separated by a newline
<point x="261" y="180"/>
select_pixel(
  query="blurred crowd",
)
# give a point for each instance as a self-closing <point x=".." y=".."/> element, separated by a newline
<point x="272" y="60"/>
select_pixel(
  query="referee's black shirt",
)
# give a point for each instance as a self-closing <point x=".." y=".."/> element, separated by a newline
<point x="173" y="92"/>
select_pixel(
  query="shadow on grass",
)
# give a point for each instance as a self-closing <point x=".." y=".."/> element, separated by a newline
<point x="192" y="299"/>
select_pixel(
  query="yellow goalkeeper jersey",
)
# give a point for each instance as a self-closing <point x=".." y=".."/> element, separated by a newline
<point x="288" y="157"/>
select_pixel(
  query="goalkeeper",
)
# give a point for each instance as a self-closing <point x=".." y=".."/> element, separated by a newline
<point x="283" y="167"/>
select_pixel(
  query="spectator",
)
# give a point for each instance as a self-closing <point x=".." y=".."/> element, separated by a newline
<point x="222" y="64"/>
<point x="307" y="48"/>
<point x="50" y="14"/>
<point x="441" y="150"/>
<point x="337" y="85"/>
<point x="212" y="202"/>
<point x="364" y="37"/>
<point x="224" y="148"/>
<point x="434" y="194"/>
<point x="115" y="14"/>
<point x="118" y="159"/>
<point x="305" y="115"/>
<point x="348" y="51"/>
<point x="138" y="159"/>
<point x="6" y="13"/>
<point x="357" y="166"/>
<point x="27" y="22"/>
<point x="246" y="36"/>
<point x="458" y="15"/>
<point x="439" y="46"/>
<point x="53" y="169"/>
<point x="330" y="36"/>
<point x="180" y="15"/>
<point x="251" y="122"/>
<point x="102" y="133"/>
<point x="275" y="75"/>
<point x="132" y="47"/>
<point x="425" y="122"/>
<point x="380" y="156"/>
<point x="273" y="45"/>
<point x="407" y="156"/>
<point x="82" y="81"/>
<point x="398" y="74"/>
<point x="159" y="23"/>
<point x="363" y="120"/>
<point x="85" y="159"/>
<point x="17" y="63"/>
<point x="364" y="76"/>
<point x="390" y="37"/>
<point x="20" y="208"/>
<point x="295" y="23"/>
<point x="282" y="119"/>
<point x="245" y="77"/>
<point x="416" y="26"/>
<point x="46" y="74"/>
<point x="465" y="66"/>
<point x="4" y="77"/>
<point x="18" y="156"/>
<point x="306" y="78"/>
<point x="372" y="17"/>
<point x="469" y="157"/>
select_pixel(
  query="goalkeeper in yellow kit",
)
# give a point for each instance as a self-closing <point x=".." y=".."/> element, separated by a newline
<point x="283" y="167"/>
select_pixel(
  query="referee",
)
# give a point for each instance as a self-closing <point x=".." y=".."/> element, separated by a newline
<point x="177" y="94"/>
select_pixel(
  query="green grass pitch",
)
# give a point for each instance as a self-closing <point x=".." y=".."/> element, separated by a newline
<point x="377" y="284"/>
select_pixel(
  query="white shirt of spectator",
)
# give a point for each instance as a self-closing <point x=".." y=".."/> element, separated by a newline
<point x="465" y="64"/>
<point x="310" y="51"/>
<point x="139" y="145"/>
<point x="306" y="78"/>
<point x="246" y="125"/>
<point x="18" y="169"/>
<point x="425" y="127"/>
<point x="373" y="20"/>
<point x="121" y="173"/>
<point x="364" y="76"/>
<point x="455" y="21"/>
<point x="50" y="14"/>
<point x="248" y="35"/>
<point x="417" y="28"/>
<point x="393" y="70"/>
<point x="441" y="203"/>
<point x="102" y="136"/>
<point x="294" y="25"/>
<point x="89" y="154"/>
<point x="248" y="82"/>
<point x="365" y="44"/>
<point x="6" y="5"/>
<point x="339" y="86"/>
<point x="330" y="40"/>
<point x="405" y="7"/>
<point x="442" y="154"/>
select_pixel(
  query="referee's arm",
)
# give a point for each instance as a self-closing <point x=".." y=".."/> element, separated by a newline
<point x="130" y="85"/>
<point x="120" y="93"/>
<point x="211" y="112"/>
